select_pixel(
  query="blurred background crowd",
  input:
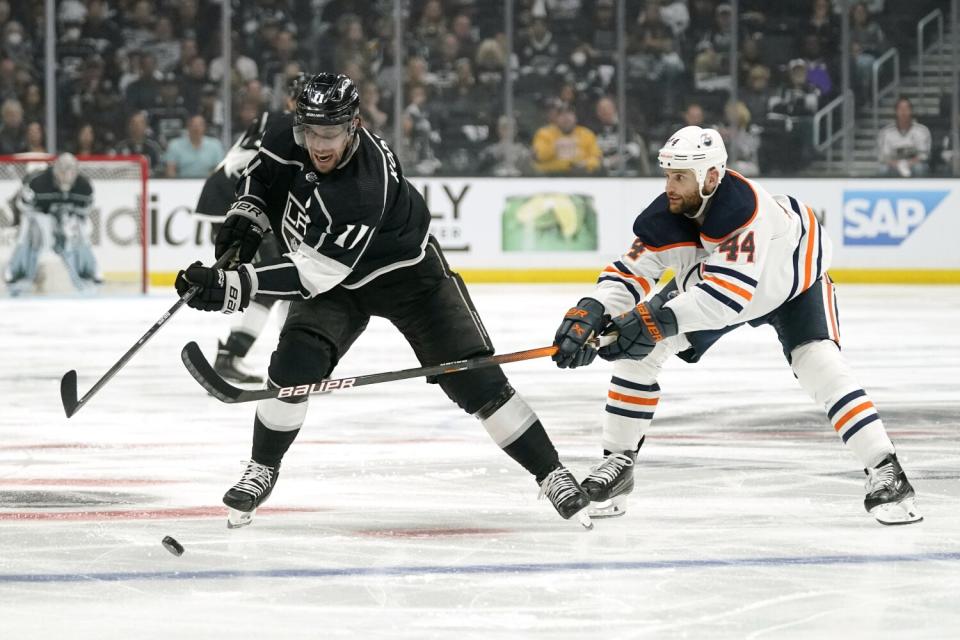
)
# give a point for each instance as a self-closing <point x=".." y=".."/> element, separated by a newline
<point x="496" y="87"/>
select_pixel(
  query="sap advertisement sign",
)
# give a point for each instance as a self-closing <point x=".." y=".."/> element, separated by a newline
<point x="886" y="217"/>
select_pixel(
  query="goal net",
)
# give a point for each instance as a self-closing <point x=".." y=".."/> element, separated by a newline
<point x="115" y="229"/>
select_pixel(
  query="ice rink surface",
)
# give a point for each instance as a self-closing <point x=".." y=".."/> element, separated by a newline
<point x="397" y="517"/>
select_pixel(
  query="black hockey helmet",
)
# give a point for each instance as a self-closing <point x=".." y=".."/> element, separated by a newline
<point x="327" y="99"/>
<point x="295" y="85"/>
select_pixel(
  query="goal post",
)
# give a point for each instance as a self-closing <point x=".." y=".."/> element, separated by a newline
<point x="118" y="225"/>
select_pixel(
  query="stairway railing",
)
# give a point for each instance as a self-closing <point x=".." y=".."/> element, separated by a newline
<point x="879" y="92"/>
<point x="934" y="17"/>
<point x="824" y="120"/>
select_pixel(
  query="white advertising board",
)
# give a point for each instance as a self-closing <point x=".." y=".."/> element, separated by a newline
<point x="576" y="225"/>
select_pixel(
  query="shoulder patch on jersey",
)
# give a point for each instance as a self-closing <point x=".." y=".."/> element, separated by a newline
<point x="657" y="228"/>
<point x="733" y="207"/>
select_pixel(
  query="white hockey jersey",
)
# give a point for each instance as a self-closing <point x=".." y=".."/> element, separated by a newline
<point x="753" y="252"/>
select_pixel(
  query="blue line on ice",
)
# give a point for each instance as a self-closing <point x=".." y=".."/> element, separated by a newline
<point x="504" y="569"/>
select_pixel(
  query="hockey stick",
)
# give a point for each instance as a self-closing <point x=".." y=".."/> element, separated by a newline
<point x="200" y="369"/>
<point x="68" y="384"/>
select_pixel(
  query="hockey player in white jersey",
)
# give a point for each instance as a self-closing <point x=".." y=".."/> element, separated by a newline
<point x="739" y="255"/>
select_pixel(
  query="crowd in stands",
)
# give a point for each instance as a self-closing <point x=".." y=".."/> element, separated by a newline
<point x="143" y="77"/>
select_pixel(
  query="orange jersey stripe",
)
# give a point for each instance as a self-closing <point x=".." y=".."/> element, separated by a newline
<point x="849" y="414"/>
<point x="730" y="287"/>
<point x="613" y="395"/>
<point x="640" y="280"/>
<point x="808" y="265"/>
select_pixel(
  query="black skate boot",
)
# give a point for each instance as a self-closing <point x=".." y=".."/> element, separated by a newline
<point x="567" y="497"/>
<point x="610" y="482"/>
<point x="250" y="492"/>
<point x="230" y="367"/>
<point x="890" y="497"/>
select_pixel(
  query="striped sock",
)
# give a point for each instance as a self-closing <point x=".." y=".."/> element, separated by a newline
<point x="630" y="408"/>
<point x="857" y="422"/>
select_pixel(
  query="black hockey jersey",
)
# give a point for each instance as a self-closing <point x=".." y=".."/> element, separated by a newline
<point x="219" y="189"/>
<point x="343" y="228"/>
<point x="40" y="193"/>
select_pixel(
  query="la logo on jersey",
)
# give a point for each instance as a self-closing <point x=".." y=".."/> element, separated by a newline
<point x="886" y="217"/>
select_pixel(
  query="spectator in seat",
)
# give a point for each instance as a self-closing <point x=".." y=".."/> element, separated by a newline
<point x="467" y="40"/>
<point x="143" y="92"/>
<point x="506" y="156"/>
<point x="12" y="132"/>
<point x="756" y="95"/>
<point x="539" y="56"/>
<point x="420" y="136"/>
<point x="634" y="157"/>
<point x="818" y="72"/>
<point x="138" y="142"/>
<point x="194" y="154"/>
<point x="36" y="140"/>
<point x="790" y="117"/>
<point x="192" y="84"/>
<point x="653" y="65"/>
<point x="374" y="118"/>
<point x="566" y="148"/>
<point x="431" y="26"/>
<point x="168" y="115"/>
<point x="867" y="43"/>
<point x="796" y="98"/>
<point x="34" y="110"/>
<point x="823" y="24"/>
<point x="904" y="145"/>
<point x="87" y="142"/>
<point x="741" y="140"/>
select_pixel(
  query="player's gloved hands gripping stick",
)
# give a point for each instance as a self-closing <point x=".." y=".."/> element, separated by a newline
<point x="243" y="226"/>
<point x="639" y="330"/>
<point x="580" y="324"/>
<point x="223" y="290"/>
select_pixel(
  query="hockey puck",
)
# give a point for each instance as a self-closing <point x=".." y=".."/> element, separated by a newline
<point x="171" y="545"/>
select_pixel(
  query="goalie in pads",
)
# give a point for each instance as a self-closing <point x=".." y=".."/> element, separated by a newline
<point x="54" y="209"/>
<point x="740" y="256"/>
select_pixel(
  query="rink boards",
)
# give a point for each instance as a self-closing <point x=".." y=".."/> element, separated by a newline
<point x="564" y="230"/>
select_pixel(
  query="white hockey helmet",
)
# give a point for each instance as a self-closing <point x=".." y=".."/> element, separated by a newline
<point x="697" y="149"/>
<point x="65" y="171"/>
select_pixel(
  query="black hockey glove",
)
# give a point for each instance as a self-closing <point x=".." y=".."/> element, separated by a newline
<point x="220" y="290"/>
<point x="639" y="330"/>
<point x="579" y="325"/>
<point x="243" y="227"/>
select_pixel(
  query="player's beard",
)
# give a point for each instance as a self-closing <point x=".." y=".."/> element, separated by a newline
<point x="327" y="160"/>
<point x="685" y="204"/>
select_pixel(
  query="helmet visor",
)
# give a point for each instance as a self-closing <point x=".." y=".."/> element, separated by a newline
<point x="326" y="133"/>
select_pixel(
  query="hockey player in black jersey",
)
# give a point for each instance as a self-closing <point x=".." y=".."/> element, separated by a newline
<point x="355" y="242"/>
<point x="215" y="200"/>
<point x="54" y="209"/>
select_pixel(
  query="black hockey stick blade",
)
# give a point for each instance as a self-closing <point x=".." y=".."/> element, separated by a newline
<point x="68" y="392"/>
<point x="68" y="384"/>
<point x="203" y="372"/>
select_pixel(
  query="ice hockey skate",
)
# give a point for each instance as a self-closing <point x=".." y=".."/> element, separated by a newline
<point x="561" y="488"/>
<point x="610" y="483"/>
<point x="250" y="492"/>
<point x="890" y="497"/>
<point x="232" y="369"/>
